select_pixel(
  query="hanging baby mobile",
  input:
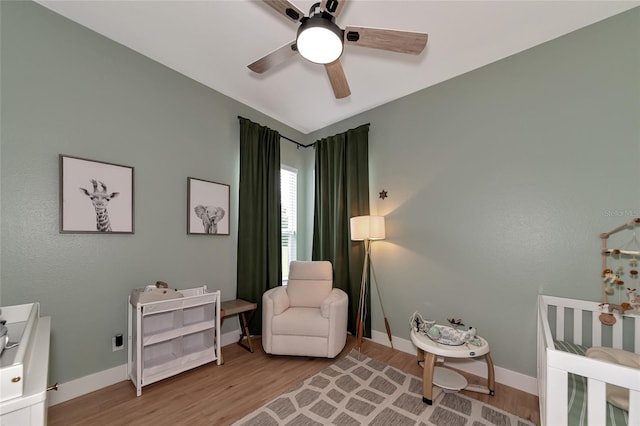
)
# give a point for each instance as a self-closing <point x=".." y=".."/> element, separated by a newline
<point x="620" y="274"/>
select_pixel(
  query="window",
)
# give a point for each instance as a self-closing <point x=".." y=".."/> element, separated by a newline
<point x="288" y="217"/>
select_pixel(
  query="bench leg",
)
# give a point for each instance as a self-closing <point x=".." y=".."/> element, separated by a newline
<point x="218" y="331"/>
<point x="245" y="331"/>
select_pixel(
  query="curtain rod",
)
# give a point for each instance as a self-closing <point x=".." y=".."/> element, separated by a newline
<point x="291" y="140"/>
<point x="298" y="143"/>
<point x="284" y="137"/>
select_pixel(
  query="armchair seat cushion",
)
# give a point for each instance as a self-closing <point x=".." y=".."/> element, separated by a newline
<point x="301" y="322"/>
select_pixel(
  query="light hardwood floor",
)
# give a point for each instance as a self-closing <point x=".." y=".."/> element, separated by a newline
<point x="219" y="395"/>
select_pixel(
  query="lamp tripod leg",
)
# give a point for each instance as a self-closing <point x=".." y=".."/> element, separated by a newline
<point x="361" y="303"/>
<point x="386" y="321"/>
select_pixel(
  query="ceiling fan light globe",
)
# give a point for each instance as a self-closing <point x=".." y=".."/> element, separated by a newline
<point x="319" y="41"/>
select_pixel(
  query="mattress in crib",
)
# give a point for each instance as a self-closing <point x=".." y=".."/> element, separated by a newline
<point x="578" y="394"/>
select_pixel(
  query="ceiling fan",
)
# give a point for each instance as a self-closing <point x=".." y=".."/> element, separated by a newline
<point x="321" y="41"/>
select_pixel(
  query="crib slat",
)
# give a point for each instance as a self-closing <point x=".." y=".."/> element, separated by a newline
<point x="617" y="332"/>
<point x="560" y="323"/>
<point x="557" y="406"/>
<point x="636" y="332"/>
<point x="596" y="402"/>
<point x="596" y="327"/>
<point x="634" y="407"/>
<point x="577" y="326"/>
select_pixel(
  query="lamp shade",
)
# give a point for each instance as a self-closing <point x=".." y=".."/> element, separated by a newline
<point x="367" y="228"/>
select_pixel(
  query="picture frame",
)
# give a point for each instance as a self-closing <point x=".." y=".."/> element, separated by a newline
<point x="96" y="197"/>
<point x="207" y="207"/>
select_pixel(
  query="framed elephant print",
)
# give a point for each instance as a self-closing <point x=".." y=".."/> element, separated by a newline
<point x="207" y="207"/>
<point x="95" y="197"/>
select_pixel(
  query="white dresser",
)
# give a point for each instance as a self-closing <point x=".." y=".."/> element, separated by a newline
<point x="24" y="369"/>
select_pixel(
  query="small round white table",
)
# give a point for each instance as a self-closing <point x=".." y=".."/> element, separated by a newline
<point x="433" y="349"/>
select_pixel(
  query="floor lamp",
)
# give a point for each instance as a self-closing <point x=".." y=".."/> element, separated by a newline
<point x="368" y="229"/>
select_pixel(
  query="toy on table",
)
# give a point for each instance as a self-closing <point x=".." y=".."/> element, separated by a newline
<point x="442" y="333"/>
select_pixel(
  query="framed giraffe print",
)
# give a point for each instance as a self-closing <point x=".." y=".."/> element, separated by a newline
<point x="95" y="197"/>
<point x="207" y="207"/>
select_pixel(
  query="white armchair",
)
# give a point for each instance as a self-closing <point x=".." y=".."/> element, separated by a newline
<point x="307" y="317"/>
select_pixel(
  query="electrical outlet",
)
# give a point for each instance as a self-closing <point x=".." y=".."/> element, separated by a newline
<point x="117" y="343"/>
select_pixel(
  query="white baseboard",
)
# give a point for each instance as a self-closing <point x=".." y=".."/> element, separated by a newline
<point x="479" y="368"/>
<point x="102" y="379"/>
<point x="86" y="384"/>
<point x="230" y="337"/>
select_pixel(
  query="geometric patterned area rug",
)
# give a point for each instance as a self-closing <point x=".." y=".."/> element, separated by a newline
<point x="358" y="390"/>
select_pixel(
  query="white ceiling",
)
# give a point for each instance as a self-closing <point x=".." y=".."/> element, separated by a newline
<point x="213" y="41"/>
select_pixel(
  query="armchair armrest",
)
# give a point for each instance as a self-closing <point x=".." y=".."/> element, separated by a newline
<point x="335" y="308"/>
<point x="334" y="302"/>
<point x="276" y="300"/>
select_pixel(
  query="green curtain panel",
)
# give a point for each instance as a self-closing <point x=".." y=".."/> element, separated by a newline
<point x="342" y="191"/>
<point x="259" y="233"/>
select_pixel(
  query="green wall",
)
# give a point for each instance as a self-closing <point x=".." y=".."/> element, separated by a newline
<point x="500" y="182"/>
<point x="67" y="90"/>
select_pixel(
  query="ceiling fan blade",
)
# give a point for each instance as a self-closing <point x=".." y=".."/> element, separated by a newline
<point x="274" y="58"/>
<point x="338" y="79"/>
<point x="393" y="40"/>
<point x="287" y="9"/>
<point x="334" y="7"/>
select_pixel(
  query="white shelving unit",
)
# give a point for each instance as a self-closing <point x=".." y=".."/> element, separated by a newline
<point x="171" y="336"/>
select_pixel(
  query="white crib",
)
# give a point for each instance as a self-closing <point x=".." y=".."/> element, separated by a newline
<point x="576" y="321"/>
